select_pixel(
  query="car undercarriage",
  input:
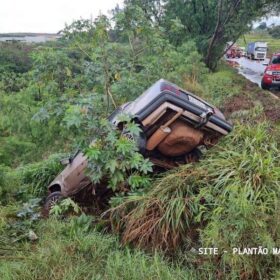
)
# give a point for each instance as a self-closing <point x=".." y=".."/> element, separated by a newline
<point x="175" y="124"/>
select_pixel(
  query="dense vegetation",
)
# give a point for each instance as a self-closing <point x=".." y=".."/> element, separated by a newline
<point x="55" y="97"/>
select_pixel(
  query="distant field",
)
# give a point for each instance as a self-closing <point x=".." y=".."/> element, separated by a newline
<point x="273" y="44"/>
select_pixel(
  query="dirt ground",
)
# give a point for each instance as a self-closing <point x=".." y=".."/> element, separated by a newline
<point x="248" y="96"/>
<point x="237" y="103"/>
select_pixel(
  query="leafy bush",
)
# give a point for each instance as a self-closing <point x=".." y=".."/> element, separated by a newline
<point x="175" y="64"/>
<point x="114" y="156"/>
<point x="2" y="174"/>
<point x="12" y="147"/>
<point x="30" y="180"/>
<point x="51" y="67"/>
<point x="3" y="183"/>
<point x="13" y="82"/>
<point x="65" y="206"/>
<point x="15" y="57"/>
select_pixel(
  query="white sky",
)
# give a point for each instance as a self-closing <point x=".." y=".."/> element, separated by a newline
<point x="51" y="15"/>
<point x="48" y="15"/>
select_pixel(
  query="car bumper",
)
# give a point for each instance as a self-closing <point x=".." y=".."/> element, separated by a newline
<point x="184" y="104"/>
<point x="269" y="80"/>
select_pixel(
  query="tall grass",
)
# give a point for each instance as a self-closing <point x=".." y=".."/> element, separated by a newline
<point x="29" y="180"/>
<point x="39" y="175"/>
<point x="230" y="199"/>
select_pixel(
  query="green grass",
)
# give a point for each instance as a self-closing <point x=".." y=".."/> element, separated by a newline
<point x="239" y="183"/>
<point x="238" y="180"/>
<point x="65" y="252"/>
<point x="273" y="44"/>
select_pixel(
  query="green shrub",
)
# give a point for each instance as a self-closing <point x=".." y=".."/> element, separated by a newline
<point x="274" y="32"/>
<point x="3" y="181"/>
<point x="15" y="57"/>
<point x="30" y="180"/>
<point x="9" y="184"/>
<point x="3" y="170"/>
<point x="13" y="82"/>
<point x="114" y="155"/>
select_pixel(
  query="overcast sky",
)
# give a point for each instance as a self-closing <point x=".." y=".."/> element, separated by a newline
<point x="51" y="15"/>
<point x="48" y="15"/>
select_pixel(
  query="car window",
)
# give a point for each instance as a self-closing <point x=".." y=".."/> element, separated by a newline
<point x="275" y="60"/>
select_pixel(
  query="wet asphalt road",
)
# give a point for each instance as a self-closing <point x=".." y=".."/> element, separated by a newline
<point x="251" y="69"/>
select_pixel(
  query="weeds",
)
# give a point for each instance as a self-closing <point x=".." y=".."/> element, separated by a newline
<point x="225" y="201"/>
<point x="229" y="199"/>
<point x="85" y="255"/>
<point x="39" y="175"/>
<point x="64" y="206"/>
<point x="219" y="87"/>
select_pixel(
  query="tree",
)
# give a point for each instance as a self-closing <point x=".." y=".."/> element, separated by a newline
<point x="212" y="23"/>
<point x="152" y="9"/>
<point x="82" y="28"/>
<point x="275" y="32"/>
<point x="262" y="26"/>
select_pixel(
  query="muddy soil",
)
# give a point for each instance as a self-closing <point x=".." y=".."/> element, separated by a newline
<point x="270" y="103"/>
<point x="275" y="92"/>
<point x="250" y="94"/>
<point x="237" y="103"/>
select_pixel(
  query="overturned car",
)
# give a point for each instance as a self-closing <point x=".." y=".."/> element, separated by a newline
<point x="174" y="124"/>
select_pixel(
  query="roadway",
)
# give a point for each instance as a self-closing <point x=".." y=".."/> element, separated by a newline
<point x="250" y="69"/>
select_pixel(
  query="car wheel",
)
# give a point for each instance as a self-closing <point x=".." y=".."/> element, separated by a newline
<point x="50" y="201"/>
<point x="265" y="86"/>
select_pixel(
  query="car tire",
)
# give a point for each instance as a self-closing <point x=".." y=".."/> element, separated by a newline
<point x="50" y="201"/>
<point x="265" y="86"/>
